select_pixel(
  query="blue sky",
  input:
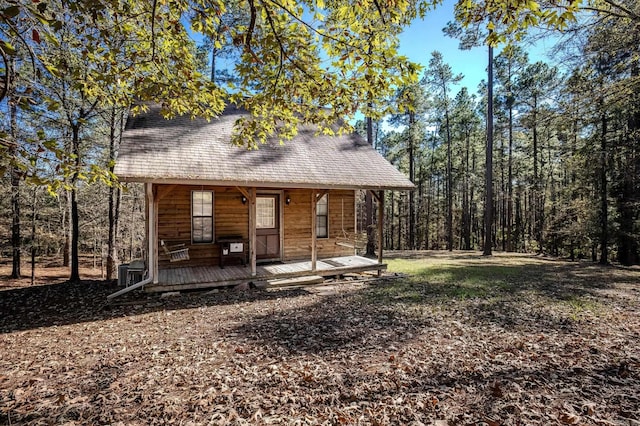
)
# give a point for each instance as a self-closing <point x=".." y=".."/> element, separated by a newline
<point x="425" y="35"/>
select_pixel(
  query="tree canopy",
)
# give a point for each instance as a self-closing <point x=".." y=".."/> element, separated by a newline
<point x="298" y="61"/>
<point x="315" y="61"/>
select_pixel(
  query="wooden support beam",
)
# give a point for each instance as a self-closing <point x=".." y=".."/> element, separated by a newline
<point x="152" y="231"/>
<point x="252" y="229"/>
<point x="250" y="195"/>
<point x="148" y="195"/>
<point x="380" y="198"/>
<point x="243" y="191"/>
<point x="321" y="194"/>
<point x="356" y="195"/>
<point x="314" y="242"/>
<point x="163" y="191"/>
<point x="155" y="240"/>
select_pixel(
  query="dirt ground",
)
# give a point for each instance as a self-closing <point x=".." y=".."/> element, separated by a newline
<point x="47" y="271"/>
<point x="462" y="340"/>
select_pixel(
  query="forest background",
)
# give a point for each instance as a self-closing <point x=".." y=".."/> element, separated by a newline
<point x="566" y="141"/>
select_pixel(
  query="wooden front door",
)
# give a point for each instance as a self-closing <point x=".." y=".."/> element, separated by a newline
<point x="267" y="226"/>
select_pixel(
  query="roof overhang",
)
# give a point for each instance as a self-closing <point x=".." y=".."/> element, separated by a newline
<point x="262" y="184"/>
<point x="197" y="152"/>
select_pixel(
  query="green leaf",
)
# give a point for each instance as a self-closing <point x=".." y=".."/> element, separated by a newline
<point x="7" y="48"/>
<point x="11" y="12"/>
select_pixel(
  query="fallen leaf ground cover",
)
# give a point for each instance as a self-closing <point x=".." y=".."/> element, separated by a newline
<point x="460" y="339"/>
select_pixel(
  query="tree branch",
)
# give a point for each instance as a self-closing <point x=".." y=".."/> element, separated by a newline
<point x="379" y="11"/>
<point x="252" y="25"/>
<point x="629" y="12"/>
<point x="280" y="66"/>
<point x="610" y="13"/>
<point x="17" y="33"/>
<point x="153" y="29"/>
<point x="283" y="51"/>
<point x="7" y="77"/>
<point x="310" y="27"/>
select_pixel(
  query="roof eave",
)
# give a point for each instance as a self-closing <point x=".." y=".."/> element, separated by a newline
<point x="263" y="184"/>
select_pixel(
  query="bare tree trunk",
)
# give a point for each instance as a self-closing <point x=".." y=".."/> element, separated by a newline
<point x="34" y="210"/>
<point x="604" y="204"/>
<point x="16" y="240"/>
<point x="449" y="182"/>
<point x="75" y="226"/>
<point x="488" y="203"/>
<point x="66" y="225"/>
<point x="399" y="245"/>
<point x="519" y="229"/>
<point x="437" y="218"/>
<point x="427" y="233"/>
<point x="114" y="194"/>
<point x="368" y="201"/>
<point x="538" y="211"/>
<point x="473" y="211"/>
<point x="466" y="206"/>
<point x="510" y="184"/>
<point x="391" y="219"/>
<point x="412" y="178"/>
<point x="503" y="201"/>
<point x="628" y="198"/>
<point x="420" y="208"/>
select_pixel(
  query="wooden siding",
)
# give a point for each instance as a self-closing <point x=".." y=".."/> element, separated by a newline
<point x="231" y="217"/>
<point x="297" y="224"/>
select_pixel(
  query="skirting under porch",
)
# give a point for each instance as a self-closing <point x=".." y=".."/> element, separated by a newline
<point x="199" y="277"/>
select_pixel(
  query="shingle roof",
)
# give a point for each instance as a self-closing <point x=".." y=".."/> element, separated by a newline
<point x="182" y="150"/>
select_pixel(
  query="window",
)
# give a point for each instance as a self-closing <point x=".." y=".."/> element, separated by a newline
<point x="202" y="216"/>
<point x="322" y="217"/>
<point x="265" y="212"/>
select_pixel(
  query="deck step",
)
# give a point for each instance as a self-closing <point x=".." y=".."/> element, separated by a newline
<point x="284" y="282"/>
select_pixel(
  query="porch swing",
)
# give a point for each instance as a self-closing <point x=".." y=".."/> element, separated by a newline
<point x="176" y="253"/>
<point x="356" y="241"/>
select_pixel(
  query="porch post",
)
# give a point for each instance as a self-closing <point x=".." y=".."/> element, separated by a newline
<point x="152" y="232"/>
<point x="380" y="226"/>
<point x="314" y="243"/>
<point x="252" y="230"/>
<point x="147" y="227"/>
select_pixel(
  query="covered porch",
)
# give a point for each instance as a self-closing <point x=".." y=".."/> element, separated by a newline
<point x="294" y="205"/>
<point x="211" y="275"/>
<point x="196" y="277"/>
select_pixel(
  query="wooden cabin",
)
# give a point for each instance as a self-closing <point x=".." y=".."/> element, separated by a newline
<point x="218" y="214"/>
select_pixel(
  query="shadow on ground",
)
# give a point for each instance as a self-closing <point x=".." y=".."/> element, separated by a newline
<point x="502" y="295"/>
<point x="86" y="301"/>
<point x="534" y="298"/>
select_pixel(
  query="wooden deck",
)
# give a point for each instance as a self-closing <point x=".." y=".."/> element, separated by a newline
<point x="213" y="276"/>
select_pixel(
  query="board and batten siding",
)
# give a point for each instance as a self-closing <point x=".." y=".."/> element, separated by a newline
<point x="297" y="224"/>
<point x="231" y="217"/>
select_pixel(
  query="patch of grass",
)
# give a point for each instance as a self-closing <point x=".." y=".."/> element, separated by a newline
<point x="508" y="286"/>
<point x="579" y="305"/>
<point x="453" y="281"/>
<point x="399" y="290"/>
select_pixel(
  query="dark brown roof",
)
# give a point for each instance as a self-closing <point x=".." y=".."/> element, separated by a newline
<point x="182" y="150"/>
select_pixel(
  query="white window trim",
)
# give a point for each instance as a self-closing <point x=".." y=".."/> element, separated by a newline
<point x="327" y="215"/>
<point x="213" y="213"/>
<point x="275" y="210"/>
